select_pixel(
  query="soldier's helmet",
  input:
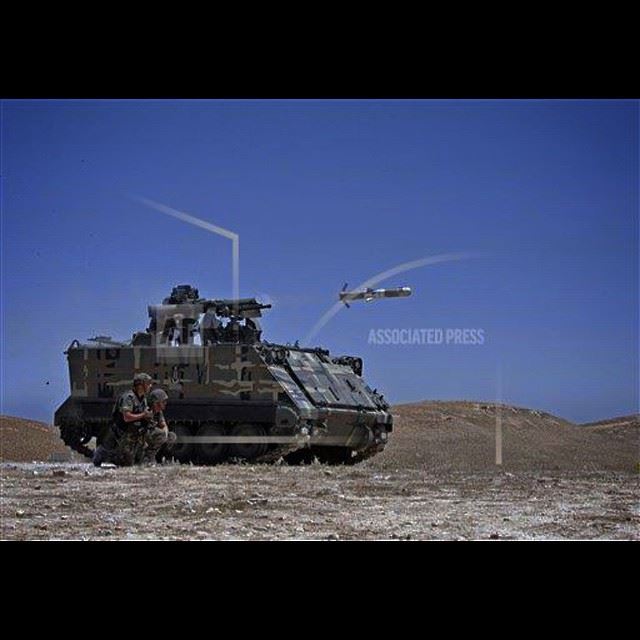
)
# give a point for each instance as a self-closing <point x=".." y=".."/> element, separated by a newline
<point x="157" y="395"/>
<point x="140" y="378"/>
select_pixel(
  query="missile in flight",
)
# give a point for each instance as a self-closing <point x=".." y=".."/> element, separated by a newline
<point x="370" y="294"/>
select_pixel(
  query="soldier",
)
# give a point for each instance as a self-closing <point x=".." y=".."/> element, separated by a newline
<point x="158" y="433"/>
<point x="210" y="327"/>
<point x="131" y="416"/>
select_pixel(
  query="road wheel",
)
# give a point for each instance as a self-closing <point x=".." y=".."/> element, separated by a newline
<point x="182" y="451"/>
<point x="212" y="452"/>
<point x="248" y="450"/>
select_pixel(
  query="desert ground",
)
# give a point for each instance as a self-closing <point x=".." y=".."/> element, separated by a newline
<point x="436" y="480"/>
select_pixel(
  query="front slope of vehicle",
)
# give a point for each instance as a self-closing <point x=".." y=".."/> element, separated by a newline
<point x="351" y="421"/>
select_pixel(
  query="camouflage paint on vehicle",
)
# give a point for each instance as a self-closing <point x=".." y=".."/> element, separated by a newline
<point x="287" y="398"/>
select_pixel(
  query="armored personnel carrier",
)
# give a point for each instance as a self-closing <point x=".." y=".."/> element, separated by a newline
<point x="232" y="395"/>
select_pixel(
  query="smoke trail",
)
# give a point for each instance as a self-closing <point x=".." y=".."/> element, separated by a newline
<point x="203" y="224"/>
<point x="401" y="268"/>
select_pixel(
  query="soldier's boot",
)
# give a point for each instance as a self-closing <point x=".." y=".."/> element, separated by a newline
<point x="149" y="457"/>
<point x="99" y="455"/>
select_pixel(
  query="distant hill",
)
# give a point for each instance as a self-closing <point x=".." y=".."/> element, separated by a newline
<point x="461" y="436"/>
<point x="27" y="440"/>
<point x="435" y="435"/>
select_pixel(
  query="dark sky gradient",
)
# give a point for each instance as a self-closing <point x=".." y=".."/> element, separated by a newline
<point x="323" y="192"/>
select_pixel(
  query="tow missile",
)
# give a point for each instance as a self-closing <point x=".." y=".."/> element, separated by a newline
<point x="372" y="294"/>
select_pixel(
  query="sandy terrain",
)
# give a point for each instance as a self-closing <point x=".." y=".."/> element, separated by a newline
<point x="461" y="436"/>
<point x="25" y="440"/>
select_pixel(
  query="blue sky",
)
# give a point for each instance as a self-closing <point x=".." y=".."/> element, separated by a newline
<point x="323" y="192"/>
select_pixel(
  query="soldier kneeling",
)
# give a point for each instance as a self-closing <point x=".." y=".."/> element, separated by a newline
<point x="130" y="418"/>
<point x="157" y="433"/>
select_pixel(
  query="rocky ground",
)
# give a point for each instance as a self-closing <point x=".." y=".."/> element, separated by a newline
<point x="437" y="479"/>
<point x="71" y="501"/>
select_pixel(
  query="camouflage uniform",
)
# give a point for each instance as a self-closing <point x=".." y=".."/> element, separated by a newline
<point x="124" y="443"/>
<point x="158" y="433"/>
<point x="154" y="437"/>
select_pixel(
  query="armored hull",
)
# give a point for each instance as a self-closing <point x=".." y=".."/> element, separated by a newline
<point x="229" y="399"/>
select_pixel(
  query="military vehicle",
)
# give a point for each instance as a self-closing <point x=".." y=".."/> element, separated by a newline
<point x="232" y="395"/>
